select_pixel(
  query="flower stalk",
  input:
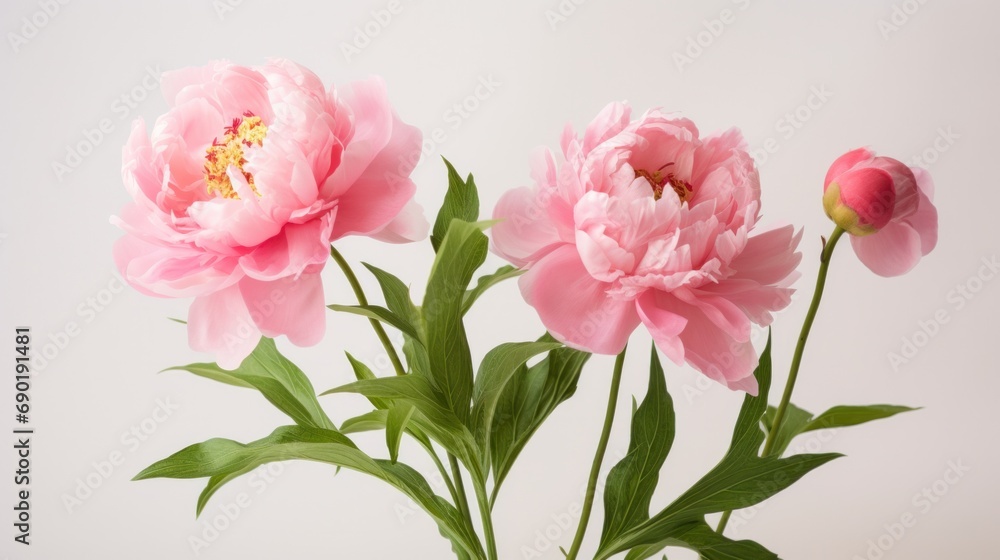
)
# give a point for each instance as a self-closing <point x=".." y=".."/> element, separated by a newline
<point x="602" y="447"/>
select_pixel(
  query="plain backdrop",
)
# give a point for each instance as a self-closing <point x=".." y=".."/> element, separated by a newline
<point x="805" y="81"/>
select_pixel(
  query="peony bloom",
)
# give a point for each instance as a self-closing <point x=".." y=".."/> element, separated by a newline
<point x="885" y="206"/>
<point x="647" y="222"/>
<point x="242" y="187"/>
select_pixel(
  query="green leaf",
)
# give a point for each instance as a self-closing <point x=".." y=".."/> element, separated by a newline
<point x="450" y="361"/>
<point x="530" y="396"/>
<point x="396" y="294"/>
<point x="213" y="372"/>
<point x="395" y="426"/>
<point x="222" y="460"/>
<point x="631" y="483"/>
<point x="792" y="425"/>
<point x="461" y="202"/>
<point x="432" y="416"/>
<point x="495" y="371"/>
<point x="741" y="479"/>
<point x="362" y="372"/>
<point x="710" y="545"/>
<point x="488" y="281"/>
<point x="379" y="313"/>
<point x="278" y="379"/>
<point x="368" y="422"/>
<point x="843" y="416"/>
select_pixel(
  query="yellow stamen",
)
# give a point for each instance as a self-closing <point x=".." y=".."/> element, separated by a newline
<point x="245" y="132"/>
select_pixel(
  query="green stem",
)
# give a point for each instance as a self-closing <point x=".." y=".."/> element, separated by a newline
<point x="602" y="447"/>
<point x="484" y="510"/>
<point x="461" y="498"/>
<point x="444" y="472"/>
<point x="360" y="294"/>
<point x="793" y="373"/>
<point x="456" y="489"/>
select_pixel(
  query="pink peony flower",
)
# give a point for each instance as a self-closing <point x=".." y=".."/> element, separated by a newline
<point x="646" y="222"/>
<point x="246" y="181"/>
<point x="885" y="206"/>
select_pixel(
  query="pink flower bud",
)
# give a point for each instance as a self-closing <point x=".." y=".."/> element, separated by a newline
<point x="867" y="195"/>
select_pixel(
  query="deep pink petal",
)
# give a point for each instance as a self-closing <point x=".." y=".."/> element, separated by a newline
<point x="846" y="162"/>
<point x="707" y="348"/>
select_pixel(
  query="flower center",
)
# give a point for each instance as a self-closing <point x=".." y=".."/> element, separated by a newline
<point x="248" y="130"/>
<point x="658" y="180"/>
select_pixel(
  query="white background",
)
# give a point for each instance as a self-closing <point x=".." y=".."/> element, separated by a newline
<point x="922" y="85"/>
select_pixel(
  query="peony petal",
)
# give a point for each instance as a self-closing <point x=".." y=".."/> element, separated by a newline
<point x="525" y="233"/>
<point x="665" y="326"/>
<point x="845" y="162"/>
<point x="892" y="251"/>
<point x="707" y="348"/>
<point x="574" y="307"/>
<point x="291" y="307"/>
<point x="925" y="219"/>
<point x="408" y="226"/>
<point x="609" y="122"/>
<point x="770" y="257"/>
<point x="298" y="248"/>
<point x="383" y="188"/>
<point x="220" y="323"/>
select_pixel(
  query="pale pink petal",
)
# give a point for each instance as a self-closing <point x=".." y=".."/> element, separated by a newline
<point x="408" y="226"/>
<point x="610" y="121"/>
<point x="524" y="233"/>
<point x="384" y="188"/>
<point x="292" y="307"/>
<point x="893" y="251"/>
<point x="574" y="307"/>
<point x="769" y="257"/>
<point x="925" y="219"/>
<point x="172" y="272"/>
<point x="372" y="118"/>
<point x="220" y="323"/>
